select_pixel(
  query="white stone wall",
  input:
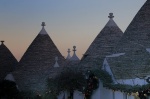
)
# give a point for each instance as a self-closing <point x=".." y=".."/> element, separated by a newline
<point x="100" y="93"/>
<point x="106" y="67"/>
<point x="63" y="94"/>
<point x="96" y="93"/>
<point x="78" y="95"/>
<point x="136" y="81"/>
<point x="105" y="93"/>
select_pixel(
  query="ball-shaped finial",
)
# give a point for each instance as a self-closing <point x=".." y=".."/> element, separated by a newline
<point x="110" y="15"/>
<point x="74" y="47"/>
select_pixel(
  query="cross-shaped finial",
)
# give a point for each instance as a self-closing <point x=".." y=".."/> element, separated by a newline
<point x="43" y="24"/>
<point x="74" y="48"/>
<point x="110" y="15"/>
<point x="2" y="41"/>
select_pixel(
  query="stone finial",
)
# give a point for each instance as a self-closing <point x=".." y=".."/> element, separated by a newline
<point x="110" y="15"/>
<point x="68" y="57"/>
<point x="2" y="42"/>
<point x="74" y="48"/>
<point x="43" y="24"/>
<point x="69" y="51"/>
<point x="74" y="57"/>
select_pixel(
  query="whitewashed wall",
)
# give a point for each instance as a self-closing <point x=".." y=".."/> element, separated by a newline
<point x="104" y="93"/>
<point x="106" y="67"/>
<point x="96" y="93"/>
<point x="62" y="94"/>
<point x="78" y="95"/>
<point x="136" y="81"/>
<point x="100" y="93"/>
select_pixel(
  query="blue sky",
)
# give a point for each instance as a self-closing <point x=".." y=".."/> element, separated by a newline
<point x="68" y="22"/>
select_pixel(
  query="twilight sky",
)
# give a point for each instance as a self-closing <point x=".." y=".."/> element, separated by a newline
<point x="68" y="22"/>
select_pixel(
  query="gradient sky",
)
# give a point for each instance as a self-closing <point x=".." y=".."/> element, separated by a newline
<point x="68" y="22"/>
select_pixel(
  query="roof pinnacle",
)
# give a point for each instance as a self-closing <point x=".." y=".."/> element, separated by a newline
<point x="68" y="51"/>
<point x="74" y="48"/>
<point x="2" y="42"/>
<point x="110" y="15"/>
<point x="74" y="57"/>
<point x="43" y="24"/>
<point x="43" y="31"/>
<point x="68" y="57"/>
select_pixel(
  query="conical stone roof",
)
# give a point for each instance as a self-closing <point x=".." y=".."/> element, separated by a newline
<point x="138" y="31"/>
<point x="8" y="62"/>
<point x="38" y="62"/>
<point x="135" y="43"/>
<point x="102" y="45"/>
